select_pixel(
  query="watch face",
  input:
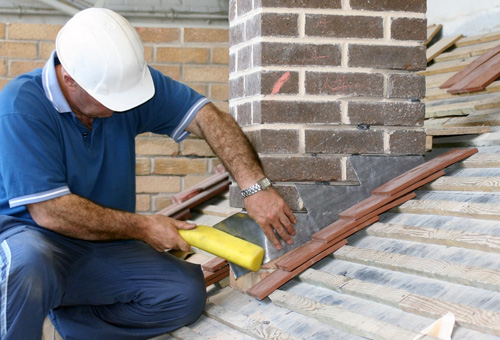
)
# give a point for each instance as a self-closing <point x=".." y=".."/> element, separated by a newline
<point x="265" y="183"/>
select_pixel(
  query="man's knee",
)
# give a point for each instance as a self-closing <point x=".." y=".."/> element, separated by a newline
<point x="195" y="296"/>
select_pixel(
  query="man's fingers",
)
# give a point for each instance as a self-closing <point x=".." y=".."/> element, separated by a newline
<point x="283" y="233"/>
<point x="268" y="231"/>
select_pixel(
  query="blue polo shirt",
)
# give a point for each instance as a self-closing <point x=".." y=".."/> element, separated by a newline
<point x="46" y="152"/>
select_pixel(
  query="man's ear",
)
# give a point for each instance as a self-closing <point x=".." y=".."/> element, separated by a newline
<point x="68" y="80"/>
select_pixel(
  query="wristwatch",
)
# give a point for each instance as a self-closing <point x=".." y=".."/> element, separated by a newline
<point x="262" y="184"/>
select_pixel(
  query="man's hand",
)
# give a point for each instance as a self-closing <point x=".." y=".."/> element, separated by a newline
<point x="271" y="212"/>
<point x="162" y="233"/>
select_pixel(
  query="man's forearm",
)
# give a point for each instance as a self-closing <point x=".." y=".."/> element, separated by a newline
<point x="77" y="217"/>
<point x="229" y="143"/>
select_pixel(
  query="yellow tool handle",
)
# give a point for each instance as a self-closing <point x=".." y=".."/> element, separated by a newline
<point x="224" y="245"/>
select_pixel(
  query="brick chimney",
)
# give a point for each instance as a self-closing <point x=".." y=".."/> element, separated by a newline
<point x="313" y="82"/>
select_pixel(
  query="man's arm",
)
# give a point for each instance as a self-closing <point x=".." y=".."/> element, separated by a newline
<point x="234" y="149"/>
<point x="77" y="217"/>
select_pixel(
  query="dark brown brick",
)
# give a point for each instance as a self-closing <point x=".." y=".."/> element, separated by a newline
<point x="386" y="113"/>
<point x="390" y="5"/>
<point x="352" y="84"/>
<point x="406" y="85"/>
<point x="280" y="25"/>
<point x="303" y="168"/>
<point x="244" y="114"/>
<point x="407" y="142"/>
<point x="269" y="141"/>
<point x="244" y="58"/>
<point x="342" y="26"/>
<point x="409" y="29"/>
<point x="287" y="191"/>
<point x="388" y="57"/>
<point x="297" y="112"/>
<point x="269" y="53"/>
<point x="265" y="82"/>
<point x="236" y="87"/>
<point x="344" y="141"/>
<point x="299" y="3"/>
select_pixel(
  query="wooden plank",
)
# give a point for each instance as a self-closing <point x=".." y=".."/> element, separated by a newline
<point x="466" y="316"/>
<point x="447" y="271"/>
<point x="347" y="285"/>
<point x="185" y="333"/>
<point x="471" y="67"/>
<point x="342" y="318"/>
<point x="424" y="170"/>
<point x="215" y="210"/>
<point x="432" y="30"/>
<point x="439" y="94"/>
<point x="452" y="238"/>
<point x="246" y="324"/>
<point x="482" y="160"/>
<point x="480" y="119"/>
<point x="279" y="277"/>
<point x="482" y="184"/>
<point x="446" y="67"/>
<point x="484" y="211"/>
<point x="462" y="108"/>
<point x="451" y="131"/>
<point x="473" y="318"/>
<point x="478" y="39"/>
<point x="466" y="51"/>
<point x="441" y="46"/>
<point x="341" y="228"/>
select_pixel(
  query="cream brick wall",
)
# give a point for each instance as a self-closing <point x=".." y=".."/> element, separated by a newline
<point x="196" y="56"/>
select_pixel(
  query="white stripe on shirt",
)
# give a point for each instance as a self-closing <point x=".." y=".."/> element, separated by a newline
<point x="39" y="197"/>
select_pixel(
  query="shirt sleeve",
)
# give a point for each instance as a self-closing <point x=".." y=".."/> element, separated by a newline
<point x="171" y="109"/>
<point x="31" y="165"/>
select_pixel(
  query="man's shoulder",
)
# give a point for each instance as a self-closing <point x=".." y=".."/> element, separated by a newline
<point x="26" y="90"/>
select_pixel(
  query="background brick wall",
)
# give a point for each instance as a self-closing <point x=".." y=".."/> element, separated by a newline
<point x="314" y="81"/>
<point x="195" y="56"/>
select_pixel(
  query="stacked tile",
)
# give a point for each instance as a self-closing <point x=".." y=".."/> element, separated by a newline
<point x="203" y="191"/>
<point x="477" y="75"/>
<point x="215" y="270"/>
<point x="355" y="218"/>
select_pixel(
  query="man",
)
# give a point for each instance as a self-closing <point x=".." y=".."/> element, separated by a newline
<point x="71" y="245"/>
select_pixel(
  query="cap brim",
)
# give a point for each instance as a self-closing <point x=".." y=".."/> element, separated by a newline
<point x="132" y="97"/>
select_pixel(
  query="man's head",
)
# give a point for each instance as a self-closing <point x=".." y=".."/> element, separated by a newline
<point x="104" y="55"/>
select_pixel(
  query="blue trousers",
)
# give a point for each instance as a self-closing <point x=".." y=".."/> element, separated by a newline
<point x="93" y="290"/>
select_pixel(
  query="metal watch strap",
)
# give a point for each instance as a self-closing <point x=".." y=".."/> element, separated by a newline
<point x="262" y="184"/>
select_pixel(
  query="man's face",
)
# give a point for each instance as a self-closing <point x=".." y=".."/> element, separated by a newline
<point x="86" y="105"/>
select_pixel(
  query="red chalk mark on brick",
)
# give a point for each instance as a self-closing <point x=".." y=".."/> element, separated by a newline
<point x="280" y="82"/>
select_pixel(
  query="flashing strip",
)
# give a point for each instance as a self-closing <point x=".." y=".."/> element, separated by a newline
<point x="39" y="197"/>
<point x="180" y="133"/>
